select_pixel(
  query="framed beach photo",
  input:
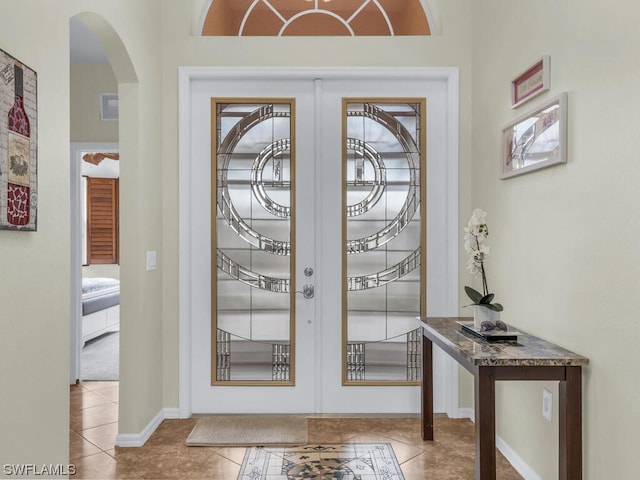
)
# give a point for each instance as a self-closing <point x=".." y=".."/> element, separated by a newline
<point x="536" y="140"/>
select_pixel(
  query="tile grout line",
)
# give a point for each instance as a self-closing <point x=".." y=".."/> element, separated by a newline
<point x="84" y="389"/>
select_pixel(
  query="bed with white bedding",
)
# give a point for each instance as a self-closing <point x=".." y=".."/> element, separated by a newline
<point x="100" y="307"/>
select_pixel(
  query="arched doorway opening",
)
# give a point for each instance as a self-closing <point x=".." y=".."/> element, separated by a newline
<point x="120" y="63"/>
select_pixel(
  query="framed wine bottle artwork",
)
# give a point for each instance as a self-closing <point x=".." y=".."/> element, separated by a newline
<point x="18" y="145"/>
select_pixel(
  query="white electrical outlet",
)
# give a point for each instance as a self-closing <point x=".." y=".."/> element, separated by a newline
<point x="547" y="404"/>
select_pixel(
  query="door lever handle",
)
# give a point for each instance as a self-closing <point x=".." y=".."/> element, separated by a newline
<point x="308" y="291"/>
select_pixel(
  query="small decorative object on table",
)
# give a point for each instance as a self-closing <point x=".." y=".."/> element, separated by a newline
<point x="475" y="234"/>
<point x="490" y="331"/>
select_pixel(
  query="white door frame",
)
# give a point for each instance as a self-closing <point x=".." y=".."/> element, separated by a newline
<point x="189" y="76"/>
<point x="75" y="172"/>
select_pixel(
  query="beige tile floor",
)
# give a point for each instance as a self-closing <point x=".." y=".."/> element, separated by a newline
<point x="94" y="424"/>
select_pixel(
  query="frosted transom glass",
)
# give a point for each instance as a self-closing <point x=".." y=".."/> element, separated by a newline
<point x="382" y="178"/>
<point x="251" y="239"/>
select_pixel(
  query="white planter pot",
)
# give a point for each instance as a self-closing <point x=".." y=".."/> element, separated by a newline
<point x="483" y="314"/>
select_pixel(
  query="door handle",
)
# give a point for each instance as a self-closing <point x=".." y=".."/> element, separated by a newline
<point x="308" y="291"/>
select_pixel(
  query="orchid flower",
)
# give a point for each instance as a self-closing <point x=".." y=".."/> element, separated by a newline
<point x="476" y="233"/>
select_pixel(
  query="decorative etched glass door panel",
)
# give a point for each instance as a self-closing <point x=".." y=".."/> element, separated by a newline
<point x="252" y="221"/>
<point x="383" y="168"/>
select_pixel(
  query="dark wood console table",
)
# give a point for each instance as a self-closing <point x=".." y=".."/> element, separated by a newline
<point x="531" y="358"/>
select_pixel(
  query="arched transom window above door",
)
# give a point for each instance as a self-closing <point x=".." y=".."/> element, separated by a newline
<point x="315" y="18"/>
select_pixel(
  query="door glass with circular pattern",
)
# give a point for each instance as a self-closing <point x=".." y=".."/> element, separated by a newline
<point x="383" y="173"/>
<point x="251" y="241"/>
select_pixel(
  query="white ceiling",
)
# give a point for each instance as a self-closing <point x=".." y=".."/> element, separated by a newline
<point x="84" y="46"/>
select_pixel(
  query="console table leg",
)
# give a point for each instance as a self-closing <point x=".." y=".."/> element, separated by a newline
<point x="570" y="420"/>
<point x="485" y="413"/>
<point x="427" y="389"/>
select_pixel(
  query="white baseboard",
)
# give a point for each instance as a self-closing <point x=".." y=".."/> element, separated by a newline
<point x="516" y="460"/>
<point x="466" y="413"/>
<point x="509" y="453"/>
<point x="139" y="439"/>
<point x="171" y="413"/>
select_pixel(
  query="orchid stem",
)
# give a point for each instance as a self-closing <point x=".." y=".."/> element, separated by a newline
<point x="485" y="288"/>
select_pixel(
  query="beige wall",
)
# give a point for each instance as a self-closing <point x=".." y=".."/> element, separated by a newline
<point x="575" y="225"/>
<point x="564" y="243"/>
<point x="35" y="274"/>
<point x="34" y="294"/>
<point x="563" y="240"/>
<point x="88" y="81"/>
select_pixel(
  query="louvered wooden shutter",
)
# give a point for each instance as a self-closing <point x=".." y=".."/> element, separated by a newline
<point x="102" y="220"/>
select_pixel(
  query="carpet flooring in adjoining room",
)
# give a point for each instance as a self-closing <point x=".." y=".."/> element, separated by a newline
<point x="100" y="358"/>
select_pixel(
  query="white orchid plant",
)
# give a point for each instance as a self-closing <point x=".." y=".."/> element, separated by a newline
<point x="475" y="233"/>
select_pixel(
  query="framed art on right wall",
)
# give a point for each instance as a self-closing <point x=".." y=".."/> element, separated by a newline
<point x="536" y="140"/>
<point x="530" y="83"/>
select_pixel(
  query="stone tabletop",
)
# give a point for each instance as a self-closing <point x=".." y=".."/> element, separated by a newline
<point x="526" y="351"/>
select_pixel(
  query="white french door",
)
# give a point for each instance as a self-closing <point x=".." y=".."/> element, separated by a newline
<point x="288" y="177"/>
